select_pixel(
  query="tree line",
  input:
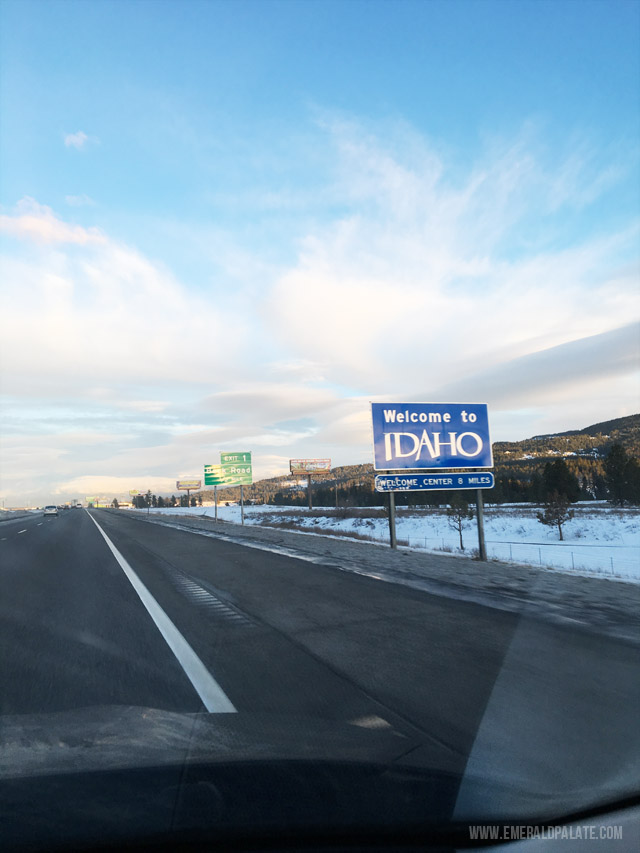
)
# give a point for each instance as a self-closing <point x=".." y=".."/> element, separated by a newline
<point x="150" y="500"/>
<point x="615" y="478"/>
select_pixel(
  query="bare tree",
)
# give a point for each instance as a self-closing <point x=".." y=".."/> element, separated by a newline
<point x="457" y="513"/>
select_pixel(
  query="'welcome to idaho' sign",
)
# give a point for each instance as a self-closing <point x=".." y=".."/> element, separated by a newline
<point x="430" y="435"/>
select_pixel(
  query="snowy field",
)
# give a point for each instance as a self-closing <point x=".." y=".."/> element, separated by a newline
<point x="600" y="540"/>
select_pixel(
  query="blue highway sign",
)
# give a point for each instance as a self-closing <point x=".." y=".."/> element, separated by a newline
<point x="430" y="435"/>
<point x="432" y="482"/>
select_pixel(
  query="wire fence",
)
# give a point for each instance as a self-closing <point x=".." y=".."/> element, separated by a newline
<point x="593" y="559"/>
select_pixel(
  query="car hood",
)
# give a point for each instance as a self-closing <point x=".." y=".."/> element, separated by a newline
<point x="113" y="773"/>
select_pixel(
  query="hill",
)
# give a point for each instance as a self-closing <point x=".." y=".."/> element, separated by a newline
<point x="617" y="429"/>
<point x="518" y="467"/>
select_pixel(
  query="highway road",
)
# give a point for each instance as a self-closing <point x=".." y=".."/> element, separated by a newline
<point x="102" y="608"/>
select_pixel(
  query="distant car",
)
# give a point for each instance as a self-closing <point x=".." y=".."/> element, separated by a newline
<point x="51" y="510"/>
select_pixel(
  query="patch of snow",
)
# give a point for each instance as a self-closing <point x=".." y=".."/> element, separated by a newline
<point x="600" y="540"/>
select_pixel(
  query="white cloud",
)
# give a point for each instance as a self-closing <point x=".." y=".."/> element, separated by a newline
<point x="97" y="485"/>
<point x="96" y="311"/>
<point x="37" y="223"/>
<point x="429" y="275"/>
<point x="78" y="140"/>
<point x="430" y="282"/>
<point x="79" y="200"/>
<point x="270" y="402"/>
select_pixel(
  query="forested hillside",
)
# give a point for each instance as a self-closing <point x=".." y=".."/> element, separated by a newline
<point x="519" y="469"/>
<point x="520" y="464"/>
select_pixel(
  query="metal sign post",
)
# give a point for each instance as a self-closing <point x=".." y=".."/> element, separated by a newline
<point x="401" y="482"/>
<point x="482" y="548"/>
<point x="392" y="520"/>
<point x="309" y="491"/>
<point x="241" y="504"/>
<point x="215" y="501"/>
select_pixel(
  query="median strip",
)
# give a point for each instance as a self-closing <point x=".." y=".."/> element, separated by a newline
<point x="212" y="695"/>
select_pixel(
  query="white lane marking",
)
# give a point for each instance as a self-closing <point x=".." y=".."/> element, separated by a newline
<point x="213" y="696"/>
<point x="22" y="531"/>
<point x="39" y="524"/>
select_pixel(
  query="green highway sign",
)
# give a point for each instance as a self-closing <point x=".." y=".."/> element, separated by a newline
<point x="235" y="458"/>
<point x="214" y="475"/>
<point x="237" y="468"/>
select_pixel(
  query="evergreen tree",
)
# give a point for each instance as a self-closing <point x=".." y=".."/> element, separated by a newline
<point x="632" y="482"/>
<point x="615" y="466"/>
<point x="536" y="489"/>
<point x="557" y="478"/>
<point x="556" y="512"/>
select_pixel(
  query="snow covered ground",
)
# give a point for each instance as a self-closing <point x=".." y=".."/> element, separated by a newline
<point x="600" y="540"/>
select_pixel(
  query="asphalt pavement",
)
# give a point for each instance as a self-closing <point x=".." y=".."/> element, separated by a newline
<point x="92" y="603"/>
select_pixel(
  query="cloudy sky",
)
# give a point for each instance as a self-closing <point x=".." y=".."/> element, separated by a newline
<point x="231" y="225"/>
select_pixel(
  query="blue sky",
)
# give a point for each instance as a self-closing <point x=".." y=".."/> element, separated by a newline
<point x="229" y="225"/>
